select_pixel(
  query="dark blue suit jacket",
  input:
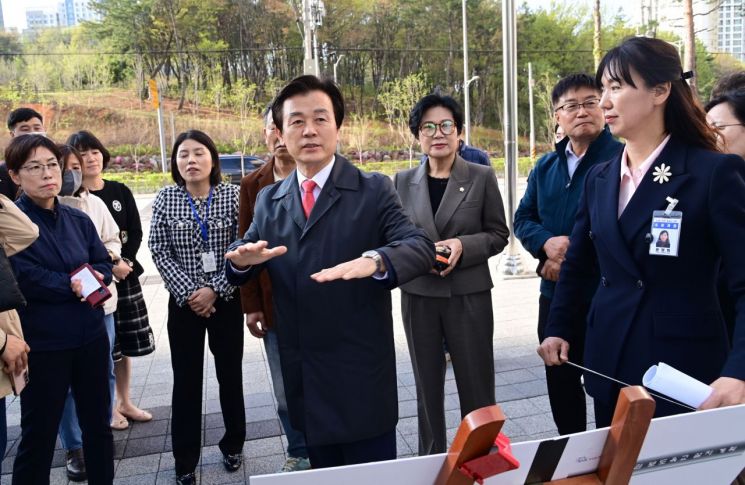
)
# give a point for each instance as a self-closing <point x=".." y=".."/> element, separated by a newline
<point x="336" y="339"/>
<point x="650" y="309"/>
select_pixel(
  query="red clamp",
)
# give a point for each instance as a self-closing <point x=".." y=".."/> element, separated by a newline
<point x="499" y="460"/>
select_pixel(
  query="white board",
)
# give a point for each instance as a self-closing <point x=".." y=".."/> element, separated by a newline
<point x="705" y="447"/>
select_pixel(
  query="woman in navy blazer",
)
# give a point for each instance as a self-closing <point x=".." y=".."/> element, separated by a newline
<point x="648" y="308"/>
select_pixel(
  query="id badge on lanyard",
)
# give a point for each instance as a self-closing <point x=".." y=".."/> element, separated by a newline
<point x="665" y="233"/>
<point x="209" y="262"/>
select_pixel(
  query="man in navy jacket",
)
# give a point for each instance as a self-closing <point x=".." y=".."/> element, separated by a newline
<point x="325" y="223"/>
<point x="545" y="217"/>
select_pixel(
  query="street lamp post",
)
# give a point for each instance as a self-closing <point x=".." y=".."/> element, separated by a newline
<point x="467" y="102"/>
<point x="512" y="264"/>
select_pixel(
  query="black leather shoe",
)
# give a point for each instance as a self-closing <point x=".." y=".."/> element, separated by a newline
<point x="232" y="462"/>
<point x="75" y="465"/>
<point x="186" y="479"/>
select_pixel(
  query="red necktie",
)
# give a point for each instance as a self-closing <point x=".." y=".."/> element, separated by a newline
<point x="308" y="199"/>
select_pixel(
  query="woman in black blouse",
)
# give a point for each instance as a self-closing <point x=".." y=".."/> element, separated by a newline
<point x="192" y="226"/>
<point x="134" y="337"/>
<point x="458" y="204"/>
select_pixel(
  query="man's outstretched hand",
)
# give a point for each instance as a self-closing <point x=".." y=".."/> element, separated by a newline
<point x="354" y="269"/>
<point x="251" y="254"/>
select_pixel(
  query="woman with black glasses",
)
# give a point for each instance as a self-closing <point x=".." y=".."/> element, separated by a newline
<point x="67" y="334"/>
<point x="459" y="205"/>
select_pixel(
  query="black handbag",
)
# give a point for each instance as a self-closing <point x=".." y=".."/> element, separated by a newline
<point x="11" y="297"/>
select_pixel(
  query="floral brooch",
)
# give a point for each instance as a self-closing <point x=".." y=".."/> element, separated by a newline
<point x="662" y="173"/>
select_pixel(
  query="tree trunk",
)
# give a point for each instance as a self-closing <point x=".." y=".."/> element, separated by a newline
<point x="689" y="42"/>
<point x="596" y="44"/>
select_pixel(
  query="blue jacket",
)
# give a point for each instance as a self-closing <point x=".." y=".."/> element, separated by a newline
<point x="550" y="202"/>
<point x="55" y="319"/>
<point x="650" y="309"/>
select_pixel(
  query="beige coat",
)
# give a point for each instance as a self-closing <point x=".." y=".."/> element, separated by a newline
<point x="17" y="232"/>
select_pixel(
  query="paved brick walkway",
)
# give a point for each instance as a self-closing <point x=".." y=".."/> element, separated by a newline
<point x="142" y="452"/>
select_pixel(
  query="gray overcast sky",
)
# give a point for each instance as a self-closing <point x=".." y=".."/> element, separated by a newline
<point x="14" y="12"/>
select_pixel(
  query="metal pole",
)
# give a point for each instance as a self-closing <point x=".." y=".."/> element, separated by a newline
<point x="466" y="97"/>
<point x="316" y="68"/>
<point x="308" y="65"/>
<point x="512" y="263"/>
<point x="532" y="120"/>
<point x="162" y="131"/>
<point x="173" y="128"/>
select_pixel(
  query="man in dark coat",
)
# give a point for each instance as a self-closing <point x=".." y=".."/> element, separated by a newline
<point x="325" y="223"/>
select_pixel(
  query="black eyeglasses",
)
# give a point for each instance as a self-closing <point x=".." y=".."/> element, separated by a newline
<point x="574" y="107"/>
<point x="429" y="128"/>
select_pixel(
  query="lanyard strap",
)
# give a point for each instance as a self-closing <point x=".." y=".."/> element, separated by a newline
<point x="202" y="224"/>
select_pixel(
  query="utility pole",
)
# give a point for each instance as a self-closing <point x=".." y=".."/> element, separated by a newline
<point x="511" y="259"/>
<point x="157" y="104"/>
<point x="308" y="33"/>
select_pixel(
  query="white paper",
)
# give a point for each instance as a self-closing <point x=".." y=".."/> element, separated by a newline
<point x="88" y="280"/>
<point x="677" y="385"/>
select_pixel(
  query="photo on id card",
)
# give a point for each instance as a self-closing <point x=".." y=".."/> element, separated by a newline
<point x="665" y="233"/>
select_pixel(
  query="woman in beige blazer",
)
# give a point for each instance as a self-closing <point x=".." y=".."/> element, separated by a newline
<point x="16" y="233"/>
<point x="459" y="205"/>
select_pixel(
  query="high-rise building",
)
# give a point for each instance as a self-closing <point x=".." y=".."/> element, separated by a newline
<point x="77" y="11"/>
<point x="718" y="24"/>
<point x="730" y="28"/>
<point x="2" y="22"/>
<point x="41" y="18"/>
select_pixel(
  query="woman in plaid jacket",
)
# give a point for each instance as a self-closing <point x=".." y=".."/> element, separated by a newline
<point x="192" y="225"/>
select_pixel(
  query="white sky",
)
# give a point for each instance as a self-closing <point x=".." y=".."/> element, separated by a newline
<point x="14" y="11"/>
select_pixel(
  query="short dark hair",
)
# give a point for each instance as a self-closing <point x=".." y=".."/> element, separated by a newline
<point x="21" y="147"/>
<point x="572" y="81"/>
<point x="657" y="62"/>
<point x="85" y="140"/>
<point x="204" y="139"/>
<point x="65" y="152"/>
<point x="734" y="81"/>
<point x="736" y="101"/>
<point x="431" y="101"/>
<point x="22" y="114"/>
<point x="303" y="85"/>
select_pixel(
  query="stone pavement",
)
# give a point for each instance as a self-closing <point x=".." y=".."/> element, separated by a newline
<point x="143" y="452"/>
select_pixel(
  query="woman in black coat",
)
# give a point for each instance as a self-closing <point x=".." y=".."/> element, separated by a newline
<point x="655" y="304"/>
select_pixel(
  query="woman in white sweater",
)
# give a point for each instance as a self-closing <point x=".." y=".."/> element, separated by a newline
<point x="74" y="195"/>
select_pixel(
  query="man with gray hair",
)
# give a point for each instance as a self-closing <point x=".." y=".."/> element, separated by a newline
<point x="256" y="295"/>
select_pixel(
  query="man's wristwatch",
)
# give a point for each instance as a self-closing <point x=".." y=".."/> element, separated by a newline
<point x="375" y="256"/>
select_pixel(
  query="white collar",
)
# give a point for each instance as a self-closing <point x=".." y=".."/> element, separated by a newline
<point x="320" y="178"/>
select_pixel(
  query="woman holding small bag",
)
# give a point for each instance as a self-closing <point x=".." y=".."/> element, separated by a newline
<point x="68" y="334"/>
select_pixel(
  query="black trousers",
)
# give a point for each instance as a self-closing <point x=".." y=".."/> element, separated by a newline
<point x="51" y="374"/>
<point x="379" y="448"/>
<point x="186" y="331"/>
<point x="565" y="392"/>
